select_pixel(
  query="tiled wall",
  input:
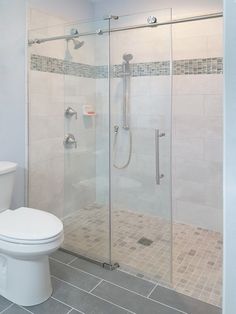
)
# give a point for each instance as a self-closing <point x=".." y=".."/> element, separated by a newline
<point x="180" y="67"/>
<point x="58" y="180"/>
<point x="46" y="122"/>
<point x="197" y="122"/>
<point x="80" y="163"/>
<point x="197" y="127"/>
<point x="197" y="118"/>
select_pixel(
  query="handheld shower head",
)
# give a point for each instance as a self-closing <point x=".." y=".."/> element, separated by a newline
<point x="127" y="57"/>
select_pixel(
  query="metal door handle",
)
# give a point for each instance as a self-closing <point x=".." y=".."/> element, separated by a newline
<point x="159" y="176"/>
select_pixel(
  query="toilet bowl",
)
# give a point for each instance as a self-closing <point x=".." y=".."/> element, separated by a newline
<point x="27" y="237"/>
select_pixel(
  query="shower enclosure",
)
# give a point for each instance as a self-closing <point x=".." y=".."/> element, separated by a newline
<point x="100" y="137"/>
<point x="101" y="142"/>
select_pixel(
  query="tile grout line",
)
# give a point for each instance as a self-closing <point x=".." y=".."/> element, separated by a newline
<point x="92" y="295"/>
<point x="95" y="286"/>
<point x="162" y="286"/>
<point x="72" y="308"/>
<point x="78" y="269"/>
<point x="23" y="308"/>
<point x="74" y="259"/>
<point x="156" y="285"/>
<point x="135" y="276"/>
<point x="7" y="308"/>
<point x="97" y="277"/>
<point x="115" y="285"/>
<point x="166" y="305"/>
<point x="102" y="279"/>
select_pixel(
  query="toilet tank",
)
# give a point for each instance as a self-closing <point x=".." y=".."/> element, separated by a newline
<point x="7" y="179"/>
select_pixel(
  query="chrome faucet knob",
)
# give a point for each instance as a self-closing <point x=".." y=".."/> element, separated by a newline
<point x="69" y="112"/>
<point x="69" y="139"/>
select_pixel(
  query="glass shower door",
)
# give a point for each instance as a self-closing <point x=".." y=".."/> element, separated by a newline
<point x="86" y="143"/>
<point x="141" y="141"/>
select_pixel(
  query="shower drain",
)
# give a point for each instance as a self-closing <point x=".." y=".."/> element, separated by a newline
<point x="145" y="241"/>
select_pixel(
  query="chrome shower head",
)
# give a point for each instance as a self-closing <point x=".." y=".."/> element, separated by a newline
<point x="127" y="57"/>
<point x="77" y="43"/>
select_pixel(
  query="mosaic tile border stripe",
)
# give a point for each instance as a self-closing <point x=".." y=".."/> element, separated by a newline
<point x="180" y="67"/>
<point x="144" y="69"/>
<point x="198" y="66"/>
<point x="59" y="66"/>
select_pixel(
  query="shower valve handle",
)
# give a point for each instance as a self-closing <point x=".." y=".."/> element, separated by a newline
<point x="70" y="139"/>
<point x="69" y="112"/>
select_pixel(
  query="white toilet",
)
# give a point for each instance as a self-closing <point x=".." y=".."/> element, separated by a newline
<point x="27" y="236"/>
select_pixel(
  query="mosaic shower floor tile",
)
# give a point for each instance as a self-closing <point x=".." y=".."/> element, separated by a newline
<point x="141" y="244"/>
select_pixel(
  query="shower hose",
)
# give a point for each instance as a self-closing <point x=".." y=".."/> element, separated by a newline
<point x="115" y="152"/>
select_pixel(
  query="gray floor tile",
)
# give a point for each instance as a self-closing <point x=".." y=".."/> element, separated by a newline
<point x="4" y="303"/>
<point x="62" y="256"/>
<point x="83" y="301"/>
<point x="120" y="278"/>
<point x="50" y="306"/>
<point x="73" y="276"/>
<point x="130" y="300"/>
<point x="183" y="302"/>
<point x="15" y="309"/>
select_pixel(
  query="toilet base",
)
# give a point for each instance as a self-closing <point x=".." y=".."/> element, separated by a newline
<point x="25" y="282"/>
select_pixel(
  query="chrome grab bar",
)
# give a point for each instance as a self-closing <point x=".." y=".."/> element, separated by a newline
<point x="159" y="176"/>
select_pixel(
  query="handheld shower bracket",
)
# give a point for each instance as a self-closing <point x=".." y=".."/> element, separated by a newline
<point x="116" y="129"/>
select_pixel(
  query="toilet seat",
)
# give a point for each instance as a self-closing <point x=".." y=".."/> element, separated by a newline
<point x="29" y="226"/>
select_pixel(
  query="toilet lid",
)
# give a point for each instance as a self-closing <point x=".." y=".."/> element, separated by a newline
<point x="29" y="224"/>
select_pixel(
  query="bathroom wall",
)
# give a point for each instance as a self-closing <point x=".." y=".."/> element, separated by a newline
<point x="199" y="190"/>
<point x="46" y="120"/>
<point x="198" y="127"/>
<point x="69" y="10"/>
<point x="13" y="91"/>
<point x="229" y="300"/>
<point x="134" y="187"/>
<point x="80" y="162"/>
<point x="61" y="181"/>
<point x="197" y="115"/>
<point x="197" y="123"/>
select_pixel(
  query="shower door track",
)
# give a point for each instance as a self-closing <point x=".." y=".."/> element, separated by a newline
<point x="107" y="266"/>
<point x="100" y="31"/>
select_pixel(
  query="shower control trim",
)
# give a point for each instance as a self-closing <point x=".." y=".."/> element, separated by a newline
<point x="158" y="135"/>
<point x="69" y="112"/>
<point x="69" y="139"/>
